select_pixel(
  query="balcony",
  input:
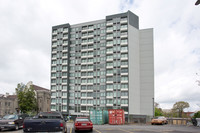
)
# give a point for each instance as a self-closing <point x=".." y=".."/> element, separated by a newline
<point x="109" y="89"/>
<point x="84" y="43"/>
<point x="64" y="97"/>
<point x="53" y="96"/>
<point x="53" y="70"/>
<point x="64" y="76"/>
<point x="124" y="66"/>
<point x="109" y="104"/>
<point x="84" y="37"/>
<point x="54" y="52"/>
<point x="65" y="44"/>
<point x="109" y="60"/>
<point x="125" y="81"/>
<point x="90" y="42"/>
<point x="124" y="58"/>
<point x="124" y="89"/>
<point x="109" y="38"/>
<point x="53" y="64"/>
<point x="54" y="39"/>
<point x="109" y="67"/>
<point x="64" y="83"/>
<point x="90" y="36"/>
<point x="109" y="82"/>
<point x="109" y="52"/>
<point x="90" y="29"/>
<point x="54" y="33"/>
<point x="124" y="97"/>
<point x="109" y="45"/>
<point x="109" y="30"/>
<point x="124" y="105"/>
<point x="109" y="74"/>
<point x="124" y="43"/>
<point x="64" y="50"/>
<point x="124" y="51"/>
<point x="125" y="28"/>
<point x="84" y="30"/>
<point x="124" y="36"/>
<point x="64" y="57"/>
<point x="65" y="31"/>
<point x="124" y="74"/>
<point x="124" y="21"/>
<point x="109" y="23"/>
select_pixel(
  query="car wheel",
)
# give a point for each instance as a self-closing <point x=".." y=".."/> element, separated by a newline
<point x="163" y="123"/>
<point x="75" y="131"/>
<point x="91" y="130"/>
<point x="16" y="127"/>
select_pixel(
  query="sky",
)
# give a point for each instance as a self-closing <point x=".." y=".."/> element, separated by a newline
<point x="25" y="41"/>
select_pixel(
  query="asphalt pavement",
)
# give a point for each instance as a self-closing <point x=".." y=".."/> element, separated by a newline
<point x="135" y="128"/>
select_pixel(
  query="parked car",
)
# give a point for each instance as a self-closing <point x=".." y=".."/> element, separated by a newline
<point x="159" y="120"/>
<point x="46" y="122"/>
<point x="13" y="121"/>
<point x="83" y="123"/>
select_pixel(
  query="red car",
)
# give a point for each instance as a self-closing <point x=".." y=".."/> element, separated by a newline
<point x="83" y="123"/>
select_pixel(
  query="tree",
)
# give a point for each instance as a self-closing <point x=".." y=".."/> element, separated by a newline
<point x="179" y="107"/>
<point x="197" y="114"/>
<point x="158" y="112"/>
<point x="26" y="98"/>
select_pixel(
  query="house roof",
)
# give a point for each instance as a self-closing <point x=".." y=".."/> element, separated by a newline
<point x="38" y="88"/>
<point x="12" y="96"/>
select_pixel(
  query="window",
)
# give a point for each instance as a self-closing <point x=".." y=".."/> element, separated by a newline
<point x="109" y="101"/>
<point x="84" y="81"/>
<point x="53" y="81"/>
<point x="124" y="70"/>
<point x="124" y="63"/>
<point x="124" y="48"/>
<point x="83" y="94"/>
<point x="83" y="101"/>
<point x="124" y="93"/>
<point x="64" y="80"/>
<point x="124" y="101"/>
<point x="64" y="94"/>
<point x="71" y="101"/>
<point x="124" y="78"/>
<point x="109" y="93"/>
<point x="110" y="64"/>
<point x="124" y="85"/>
<point x="124" y="55"/>
<point x="64" y="100"/>
<point x="64" y="107"/>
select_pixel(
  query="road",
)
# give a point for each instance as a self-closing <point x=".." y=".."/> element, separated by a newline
<point x="140" y="129"/>
<point x="143" y="128"/>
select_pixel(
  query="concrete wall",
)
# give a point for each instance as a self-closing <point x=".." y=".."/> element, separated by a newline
<point x="141" y="71"/>
<point x="146" y="71"/>
<point x="134" y="70"/>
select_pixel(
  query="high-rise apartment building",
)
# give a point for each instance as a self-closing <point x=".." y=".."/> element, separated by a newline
<point x="103" y="64"/>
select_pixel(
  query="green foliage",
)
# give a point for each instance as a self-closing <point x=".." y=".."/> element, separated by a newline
<point x="158" y="112"/>
<point x="197" y="114"/>
<point x="178" y="107"/>
<point x="26" y="98"/>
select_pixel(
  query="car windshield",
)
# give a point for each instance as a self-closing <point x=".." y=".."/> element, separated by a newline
<point x="82" y="119"/>
<point x="10" y="117"/>
<point x="160" y="117"/>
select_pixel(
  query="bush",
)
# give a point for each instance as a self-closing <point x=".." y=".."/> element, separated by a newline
<point x="197" y="114"/>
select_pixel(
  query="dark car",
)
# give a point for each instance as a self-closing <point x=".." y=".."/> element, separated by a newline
<point x="14" y="121"/>
<point x="83" y="123"/>
<point x="46" y="122"/>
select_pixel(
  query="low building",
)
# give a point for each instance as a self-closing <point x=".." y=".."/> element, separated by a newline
<point x="43" y="97"/>
<point x="8" y="104"/>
